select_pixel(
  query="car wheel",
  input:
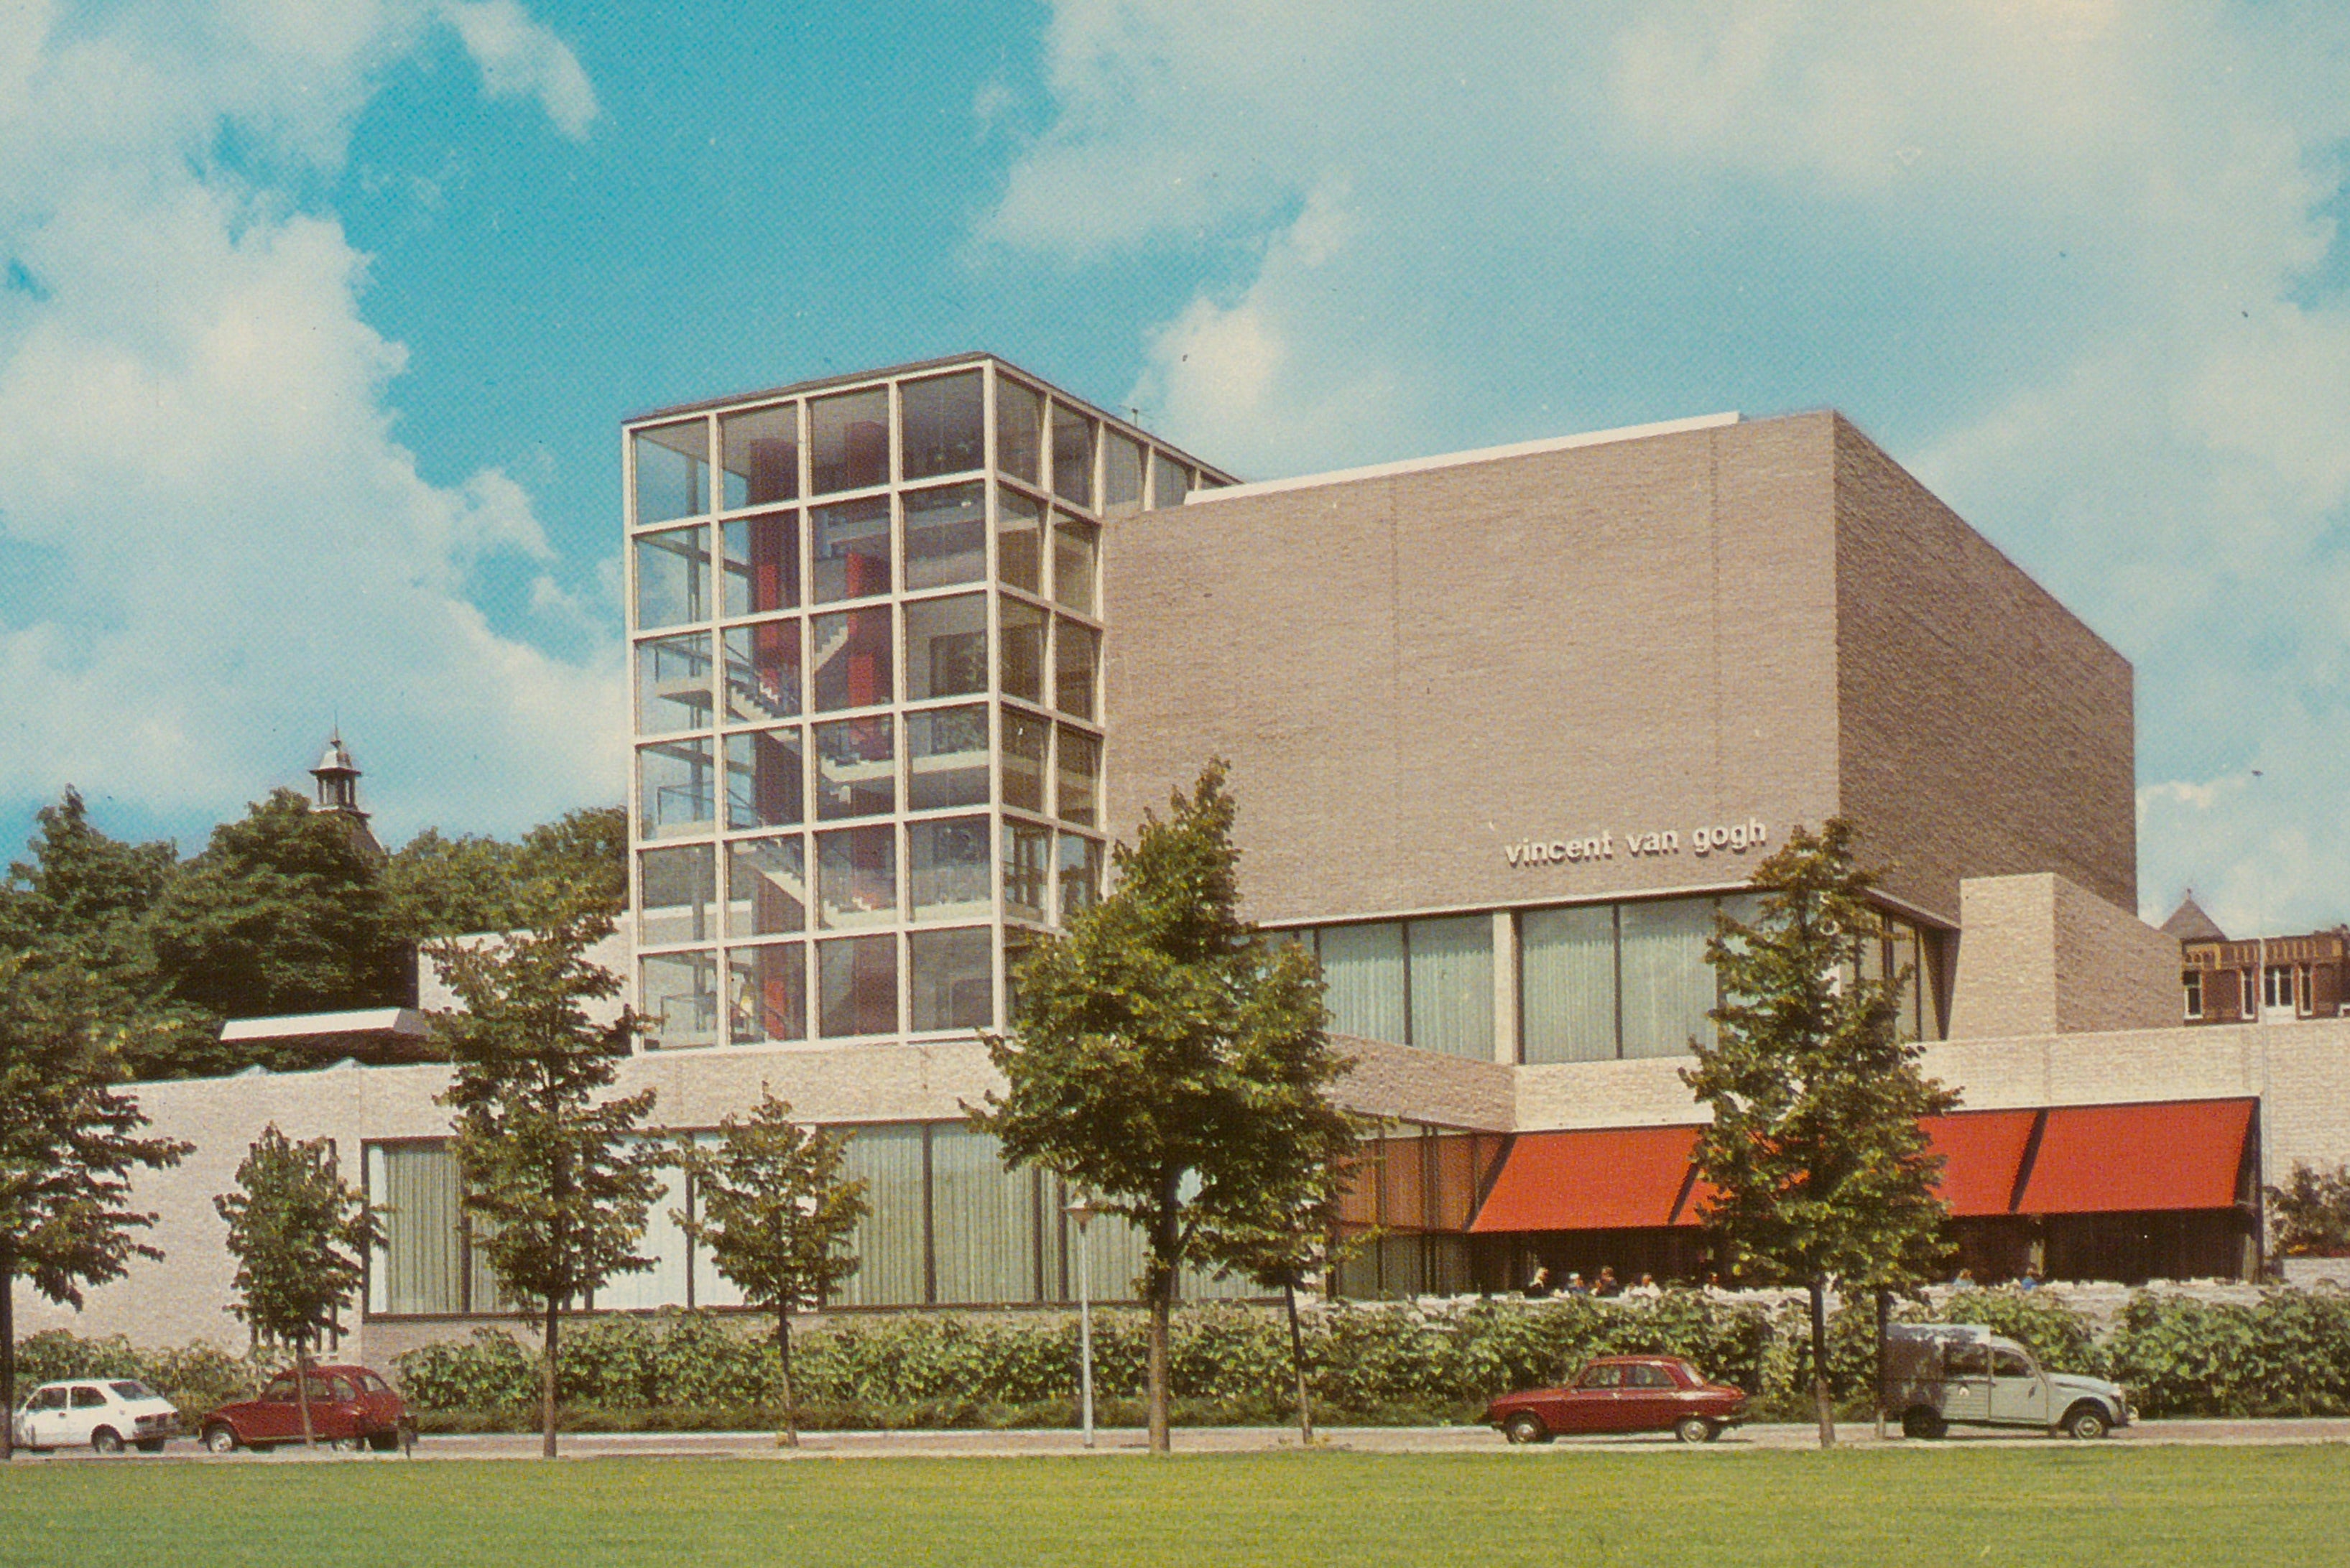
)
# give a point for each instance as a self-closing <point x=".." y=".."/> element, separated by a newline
<point x="106" y="1441"/>
<point x="1693" y="1429"/>
<point x="150" y="1445"/>
<point x="1525" y="1427"/>
<point x="1923" y="1424"/>
<point x="2086" y="1423"/>
<point x="220" y="1440"/>
<point x="383" y="1442"/>
<point x="350" y="1445"/>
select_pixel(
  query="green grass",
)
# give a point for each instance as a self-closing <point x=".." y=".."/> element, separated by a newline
<point x="2111" y="1506"/>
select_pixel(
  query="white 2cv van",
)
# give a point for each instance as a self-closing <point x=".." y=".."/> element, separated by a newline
<point x="1941" y="1375"/>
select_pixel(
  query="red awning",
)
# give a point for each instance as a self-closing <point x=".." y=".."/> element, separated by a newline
<point x="1601" y="1178"/>
<point x="1981" y="1153"/>
<point x="2098" y="1160"/>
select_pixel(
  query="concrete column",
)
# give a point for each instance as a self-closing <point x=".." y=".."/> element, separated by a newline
<point x="1505" y="987"/>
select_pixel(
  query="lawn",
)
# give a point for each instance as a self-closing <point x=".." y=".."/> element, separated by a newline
<point x="2111" y="1506"/>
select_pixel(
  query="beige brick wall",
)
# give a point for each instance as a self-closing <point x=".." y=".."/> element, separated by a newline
<point x="1411" y="673"/>
<point x="2038" y="954"/>
<point x="1986" y="730"/>
<point x="1767" y="620"/>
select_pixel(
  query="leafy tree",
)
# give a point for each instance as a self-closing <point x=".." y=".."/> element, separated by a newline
<point x="1168" y="1063"/>
<point x="69" y="1143"/>
<point x="774" y="1212"/>
<point x="300" y="1235"/>
<point x="1819" y="1169"/>
<point x="2311" y="1212"/>
<point x="555" y="1174"/>
<point x="282" y="913"/>
<point x="441" y="886"/>
<point x="1297" y="1237"/>
<point x="89" y="900"/>
<point x="578" y="860"/>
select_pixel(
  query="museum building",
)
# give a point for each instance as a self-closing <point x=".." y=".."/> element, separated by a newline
<point x="1507" y="728"/>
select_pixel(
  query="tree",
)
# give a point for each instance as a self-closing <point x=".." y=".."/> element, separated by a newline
<point x="89" y="900"/>
<point x="68" y="1144"/>
<point x="2311" y="1212"/>
<point x="774" y="1211"/>
<point x="1297" y="1237"/>
<point x="555" y="1173"/>
<point x="282" y="913"/>
<point x="1168" y="1063"/>
<point x="300" y="1236"/>
<point x="1819" y="1169"/>
<point x="441" y="887"/>
<point x="581" y="860"/>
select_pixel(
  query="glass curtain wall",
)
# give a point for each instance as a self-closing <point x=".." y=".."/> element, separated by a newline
<point x="1425" y="983"/>
<point x="946" y="1225"/>
<point x="869" y="603"/>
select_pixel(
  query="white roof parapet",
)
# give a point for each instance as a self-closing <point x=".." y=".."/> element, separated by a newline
<point x="1455" y="459"/>
<point x="368" y="1021"/>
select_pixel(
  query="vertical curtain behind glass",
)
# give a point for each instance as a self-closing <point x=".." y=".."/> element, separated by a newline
<point x="662" y="1284"/>
<point x="1452" y="986"/>
<point x="424" y="1255"/>
<point x="1567" y="983"/>
<point x="1668" y="987"/>
<point x="888" y="1241"/>
<point x="1364" y="967"/>
<point x="983" y="1219"/>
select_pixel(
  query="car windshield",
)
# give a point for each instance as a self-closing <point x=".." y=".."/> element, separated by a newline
<point x="131" y="1388"/>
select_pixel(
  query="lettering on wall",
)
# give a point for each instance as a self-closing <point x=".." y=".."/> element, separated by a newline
<point x="1734" y="838"/>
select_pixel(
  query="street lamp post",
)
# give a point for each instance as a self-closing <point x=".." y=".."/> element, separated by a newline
<point x="1081" y="1210"/>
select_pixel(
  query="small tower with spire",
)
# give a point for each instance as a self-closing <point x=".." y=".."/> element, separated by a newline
<point x="338" y="793"/>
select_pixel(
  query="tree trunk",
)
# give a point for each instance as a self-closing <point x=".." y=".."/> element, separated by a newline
<point x="8" y="1356"/>
<point x="1162" y="1292"/>
<point x="302" y="1389"/>
<point x="546" y="1381"/>
<point x="1297" y="1360"/>
<point x="1820" y="1363"/>
<point x="1166" y="1248"/>
<point x="791" y="1438"/>
<point x="1884" y="1316"/>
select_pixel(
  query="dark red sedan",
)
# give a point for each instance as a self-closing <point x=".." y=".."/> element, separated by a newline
<point x="1621" y="1394"/>
<point x="350" y="1407"/>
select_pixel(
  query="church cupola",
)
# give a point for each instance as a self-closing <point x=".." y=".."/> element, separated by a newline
<point x="338" y="779"/>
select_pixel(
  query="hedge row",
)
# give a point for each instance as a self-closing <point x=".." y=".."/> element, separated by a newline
<point x="2286" y="1354"/>
<point x="2289" y="1354"/>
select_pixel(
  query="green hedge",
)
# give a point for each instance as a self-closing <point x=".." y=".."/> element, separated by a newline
<point x="196" y="1377"/>
<point x="2287" y="1354"/>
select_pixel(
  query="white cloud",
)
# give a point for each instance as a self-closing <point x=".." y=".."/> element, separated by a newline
<point x="2059" y="254"/>
<point x="194" y="445"/>
<point x="519" y="58"/>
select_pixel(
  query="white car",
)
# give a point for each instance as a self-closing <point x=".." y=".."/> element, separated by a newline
<point x="105" y="1413"/>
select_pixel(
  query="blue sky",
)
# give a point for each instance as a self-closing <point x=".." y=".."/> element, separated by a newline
<point x="316" y="323"/>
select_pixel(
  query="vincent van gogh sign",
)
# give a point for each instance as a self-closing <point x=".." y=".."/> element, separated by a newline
<point x="1733" y="838"/>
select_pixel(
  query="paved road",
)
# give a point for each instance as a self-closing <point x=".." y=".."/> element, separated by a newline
<point x="1218" y="1440"/>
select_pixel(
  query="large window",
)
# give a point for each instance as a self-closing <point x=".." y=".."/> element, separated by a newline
<point x="673" y="685"/>
<point x="679" y="890"/>
<point x="1452" y="985"/>
<point x="950" y="876"/>
<point x="848" y="441"/>
<point x="676" y="788"/>
<point x="672" y="464"/>
<point x="945" y="423"/>
<point x="850" y="544"/>
<point x="762" y="779"/>
<point x="681" y="1006"/>
<point x="762" y="453"/>
<point x="1566" y="969"/>
<point x="1072" y="455"/>
<point x="946" y="647"/>
<point x="856" y="877"/>
<point x="946" y="535"/>
<point x="763" y="672"/>
<point x="858" y="978"/>
<point x="766" y="887"/>
<point x="1019" y="540"/>
<point x="946" y="758"/>
<point x="1019" y="429"/>
<point x="672" y="577"/>
<point x="856" y="768"/>
<point x="852" y="660"/>
<point x="766" y="993"/>
<point x="763" y="563"/>
<point x="953" y="979"/>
